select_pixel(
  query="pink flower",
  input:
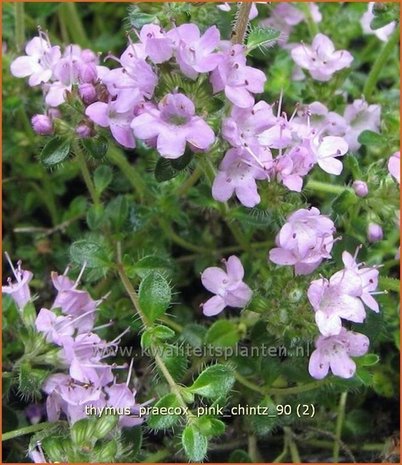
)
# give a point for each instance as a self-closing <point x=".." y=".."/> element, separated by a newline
<point x="157" y="45"/>
<point x="304" y="241"/>
<point x="394" y="166"/>
<point x="106" y="115"/>
<point x="321" y="58"/>
<point x="368" y="276"/>
<point x="195" y="53"/>
<point x="292" y="166"/>
<point x="336" y="298"/>
<point x="326" y="150"/>
<point x="334" y="353"/>
<point x="243" y="125"/>
<point x="173" y="124"/>
<point x="39" y="61"/>
<point x="237" y="174"/>
<point x="19" y="290"/>
<point x="236" y="79"/>
<point x="228" y="286"/>
<point x="284" y="16"/>
<point x="360" y="116"/>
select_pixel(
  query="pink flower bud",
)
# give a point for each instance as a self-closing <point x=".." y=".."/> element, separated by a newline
<point x="88" y="72"/>
<point x="42" y="125"/>
<point x="53" y="113"/>
<point x="83" y="130"/>
<point x="88" y="56"/>
<point x="360" y="188"/>
<point x="374" y="232"/>
<point x="88" y="93"/>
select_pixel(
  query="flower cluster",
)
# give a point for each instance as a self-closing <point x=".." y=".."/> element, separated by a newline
<point x="228" y="286"/>
<point x="341" y="297"/>
<point x="69" y="324"/>
<point x="256" y="134"/>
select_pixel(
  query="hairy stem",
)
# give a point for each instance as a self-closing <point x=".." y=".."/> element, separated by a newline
<point x="294" y="452"/>
<point x="339" y="423"/>
<point x="137" y="182"/>
<point x="379" y="64"/>
<point x="86" y="175"/>
<point x="19" y="25"/>
<point x="72" y="22"/>
<point x="190" y="181"/>
<point x="264" y="390"/>
<point x="325" y="187"/>
<point x="240" y="27"/>
<point x="25" y="430"/>
<point x="174" y="388"/>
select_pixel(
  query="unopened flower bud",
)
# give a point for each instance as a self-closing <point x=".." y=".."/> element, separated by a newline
<point x="42" y="125"/>
<point x="374" y="232"/>
<point x="88" y="73"/>
<point x="53" y="113"/>
<point x="87" y="93"/>
<point x="360" y="188"/>
<point x="88" y="56"/>
<point x="83" y="130"/>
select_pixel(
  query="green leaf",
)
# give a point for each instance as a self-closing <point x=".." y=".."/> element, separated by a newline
<point x="239" y="456"/>
<point x="167" y="169"/>
<point x="154" y="295"/>
<point x="368" y="360"/>
<point x="95" y="146"/>
<point x="193" y="334"/>
<point x="152" y="263"/>
<point x="371" y="138"/>
<point x="344" y="201"/>
<point x="117" y="212"/>
<point x="223" y="333"/>
<point x="137" y="18"/>
<point x="163" y="420"/>
<point x="210" y="426"/>
<point x="103" y="176"/>
<point x="214" y="382"/>
<point x="82" y="431"/>
<point x="104" y="425"/>
<point x="262" y="37"/>
<point x="55" y="151"/>
<point x="91" y="253"/>
<point x="195" y="444"/>
<point x="155" y="334"/>
<point x="95" y="217"/>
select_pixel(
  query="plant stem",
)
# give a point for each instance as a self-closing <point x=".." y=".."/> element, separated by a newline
<point x="23" y="431"/>
<point x="86" y="175"/>
<point x="19" y="25"/>
<point x="190" y="181"/>
<point x="72" y="22"/>
<point x="136" y="303"/>
<point x="156" y="456"/>
<point x="169" y="322"/>
<point x="240" y="27"/>
<point x="179" y="240"/>
<point x="325" y="187"/>
<point x="118" y="158"/>
<point x="278" y="391"/>
<point x="379" y="64"/>
<point x="311" y="24"/>
<point x="294" y="452"/>
<point x="339" y="424"/>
